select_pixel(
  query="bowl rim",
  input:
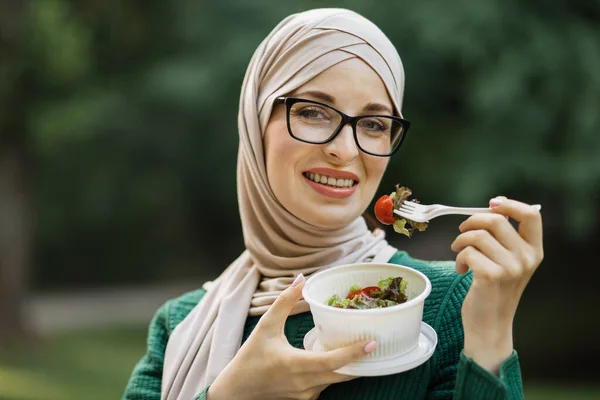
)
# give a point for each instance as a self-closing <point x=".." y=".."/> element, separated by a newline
<point x="410" y="303"/>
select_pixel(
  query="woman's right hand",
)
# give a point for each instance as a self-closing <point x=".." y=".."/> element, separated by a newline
<point x="268" y="367"/>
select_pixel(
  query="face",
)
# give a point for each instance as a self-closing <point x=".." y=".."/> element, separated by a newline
<point x="292" y="166"/>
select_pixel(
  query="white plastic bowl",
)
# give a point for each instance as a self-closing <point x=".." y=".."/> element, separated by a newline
<point x="396" y="329"/>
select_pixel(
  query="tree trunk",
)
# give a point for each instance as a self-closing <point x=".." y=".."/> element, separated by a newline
<point x="15" y="244"/>
<point x="15" y="194"/>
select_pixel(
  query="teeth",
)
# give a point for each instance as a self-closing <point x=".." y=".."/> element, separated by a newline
<point x="330" y="181"/>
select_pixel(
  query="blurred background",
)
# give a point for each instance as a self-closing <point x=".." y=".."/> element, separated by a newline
<point x="118" y="145"/>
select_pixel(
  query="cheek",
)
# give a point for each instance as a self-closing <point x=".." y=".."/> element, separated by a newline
<point x="375" y="167"/>
<point x="280" y="154"/>
<point x="273" y="142"/>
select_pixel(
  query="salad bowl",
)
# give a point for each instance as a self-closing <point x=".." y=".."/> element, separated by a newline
<point x="396" y="328"/>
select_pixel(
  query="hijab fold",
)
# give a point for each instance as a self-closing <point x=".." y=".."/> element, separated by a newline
<point x="279" y="246"/>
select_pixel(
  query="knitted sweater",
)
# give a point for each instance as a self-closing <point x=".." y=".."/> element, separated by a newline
<point x="448" y="374"/>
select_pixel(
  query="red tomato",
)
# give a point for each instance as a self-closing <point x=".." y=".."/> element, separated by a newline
<point x="367" y="291"/>
<point x="384" y="210"/>
<point x="364" y="291"/>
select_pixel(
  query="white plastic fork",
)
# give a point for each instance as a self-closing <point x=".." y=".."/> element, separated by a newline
<point x="423" y="213"/>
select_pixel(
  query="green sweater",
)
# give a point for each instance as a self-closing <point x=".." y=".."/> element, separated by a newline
<point x="448" y="374"/>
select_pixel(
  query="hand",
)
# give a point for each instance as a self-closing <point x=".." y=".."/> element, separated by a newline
<point x="268" y="367"/>
<point x="502" y="260"/>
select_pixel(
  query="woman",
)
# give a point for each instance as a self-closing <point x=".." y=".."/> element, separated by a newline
<point x="234" y="340"/>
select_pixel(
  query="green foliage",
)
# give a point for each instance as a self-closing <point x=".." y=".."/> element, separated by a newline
<point x="60" y="44"/>
<point x="132" y="115"/>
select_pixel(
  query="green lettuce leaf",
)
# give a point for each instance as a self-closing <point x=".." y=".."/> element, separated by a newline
<point x="354" y="288"/>
<point x="403" y="286"/>
<point x="384" y="283"/>
<point x="402" y="193"/>
<point x="401" y="225"/>
<point x="394" y="291"/>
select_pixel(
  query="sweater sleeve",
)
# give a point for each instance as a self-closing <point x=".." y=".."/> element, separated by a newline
<point x="146" y="379"/>
<point x="456" y="376"/>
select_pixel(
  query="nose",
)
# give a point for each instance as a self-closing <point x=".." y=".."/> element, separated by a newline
<point x="343" y="148"/>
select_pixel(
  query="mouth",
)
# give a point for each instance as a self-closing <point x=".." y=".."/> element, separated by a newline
<point x="331" y="183"/>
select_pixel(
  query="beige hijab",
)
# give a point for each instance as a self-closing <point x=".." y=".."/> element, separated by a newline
<point x="279" y="245"/>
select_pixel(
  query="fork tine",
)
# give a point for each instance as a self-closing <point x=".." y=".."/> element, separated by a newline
<point x="407" y="210"/>
<point x="410" y="205"/>
<point x="403" y="213"/>
<point x="414" y="216"/>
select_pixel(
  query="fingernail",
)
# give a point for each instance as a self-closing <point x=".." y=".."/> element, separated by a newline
<point x="298" y="280"/>
<point x="496" y="201"/>
<point x="371" y="346"/>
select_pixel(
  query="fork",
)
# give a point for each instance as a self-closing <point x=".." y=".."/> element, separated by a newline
<point x="423" y="213"/>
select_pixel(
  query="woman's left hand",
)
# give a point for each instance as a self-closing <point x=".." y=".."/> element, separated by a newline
<point x="502" y="260"/>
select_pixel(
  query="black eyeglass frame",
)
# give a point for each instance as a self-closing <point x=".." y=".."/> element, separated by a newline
<point x="346" y="119"/>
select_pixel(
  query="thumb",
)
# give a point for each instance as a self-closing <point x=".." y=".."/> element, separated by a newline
<point x="274" y="319"/>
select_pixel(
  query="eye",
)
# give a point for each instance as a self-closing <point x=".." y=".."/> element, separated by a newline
<point x="312" y="113"/>
<point x="374" y="125"/>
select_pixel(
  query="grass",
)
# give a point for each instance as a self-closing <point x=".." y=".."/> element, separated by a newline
<point x="540" y="391"/>
<point x="96" y="365"/>
<point x="78" y="365"/>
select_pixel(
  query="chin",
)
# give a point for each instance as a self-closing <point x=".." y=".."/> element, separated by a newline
<point x="331" y="220"/>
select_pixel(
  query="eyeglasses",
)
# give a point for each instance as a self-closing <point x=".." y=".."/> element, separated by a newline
<point x="318" y="123"/>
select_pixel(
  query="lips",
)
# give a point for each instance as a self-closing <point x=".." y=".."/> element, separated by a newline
<point x="331" y="183"/>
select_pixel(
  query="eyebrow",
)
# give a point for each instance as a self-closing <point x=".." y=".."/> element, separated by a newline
<point x="327" y="98"/>
<point x="322" y="96"/>
<point x="378" y="107"/>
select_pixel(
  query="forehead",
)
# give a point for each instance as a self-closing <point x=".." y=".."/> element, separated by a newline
<point x="351" y="83"/>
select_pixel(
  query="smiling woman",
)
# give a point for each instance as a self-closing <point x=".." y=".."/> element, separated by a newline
<point x="320" y="115"/>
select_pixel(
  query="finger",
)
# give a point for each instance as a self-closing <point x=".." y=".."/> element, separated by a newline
<point x="530" y="219"/>
<point x="336" y="359"/>
<point x="500" y="198"/>
<point x="273" y="320"/>
<point x="483" y="267"/>
<point x="497" y="225"/>
<point x="487" y="244"/>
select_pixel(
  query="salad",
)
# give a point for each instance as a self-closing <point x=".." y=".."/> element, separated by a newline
<point x="384" y="212"/>
<point x="388" y="292"/>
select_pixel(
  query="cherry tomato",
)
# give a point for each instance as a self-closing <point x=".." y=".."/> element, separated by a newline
<point x="369" y="289"/>
<point x="366" y="292"/>
<point x="384" y="210"/>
